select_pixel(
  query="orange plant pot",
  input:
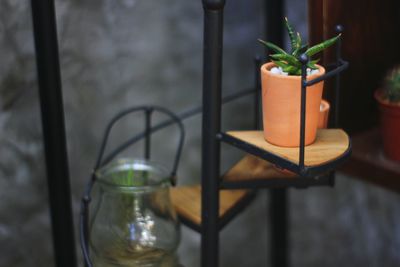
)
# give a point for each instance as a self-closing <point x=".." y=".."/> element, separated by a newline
<point x="323" y="114"/>
<point x="390" y="127"/>
<point x="281" y="107"/>
<point x="322" y="124"/>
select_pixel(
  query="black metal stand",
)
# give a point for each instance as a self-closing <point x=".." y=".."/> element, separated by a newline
<point x="55" y="144"/>
<point x="212" y="72"/>
<point x="48" y="69"/>
<point x="278" y="204"/>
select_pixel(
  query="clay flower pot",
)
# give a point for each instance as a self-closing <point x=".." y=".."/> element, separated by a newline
<point x="281" y="107"/>
<point x="390" y="126"/>
<point x="323" y="114"/>
<point x="322" y="124"/>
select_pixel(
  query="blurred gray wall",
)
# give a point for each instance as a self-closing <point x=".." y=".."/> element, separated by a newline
<point x="116" y="54"/>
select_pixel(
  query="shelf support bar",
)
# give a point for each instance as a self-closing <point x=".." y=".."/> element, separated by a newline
<point x="49" y="78"/>
<point x="211" y="124"/>
<point x="278" y="214"/>
<point x="304" y="60"/>
<point x="148" y="113"/>
<point x="339" y="30"/>
<point x="257" y="94"/>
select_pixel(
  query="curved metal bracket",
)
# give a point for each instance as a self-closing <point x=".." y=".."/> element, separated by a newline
<point x="102" y="161"/>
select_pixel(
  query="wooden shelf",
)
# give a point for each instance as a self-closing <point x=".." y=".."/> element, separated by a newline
<point x="368" y="162"/>
<point x="187" y="199"/>
<point x="331" y="147"/>
<point x="187" y="202"/>
<point x="254" y="173"/>
<point x="249" y="172"/>
<point x="254" y="168"/>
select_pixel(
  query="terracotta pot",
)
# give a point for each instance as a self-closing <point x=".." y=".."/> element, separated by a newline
<point x="323" y="114"/>
<point x="322" y="124"/>
<point x="281" y="107"/>
<point x="390" y="126"/>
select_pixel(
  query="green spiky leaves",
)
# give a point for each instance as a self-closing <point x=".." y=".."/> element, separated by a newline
<point x="273" y="47"/>
<point x="289" y="61"/>
<point x="319" y="47"/>
<point x="294" y="41"/>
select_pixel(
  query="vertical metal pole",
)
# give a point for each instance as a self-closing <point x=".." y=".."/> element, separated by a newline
<point x="84" y="226"/>
<point x="336" y="119"/>
<point x="278" y="197"/>
<point x="279" y="228"/>
<point x="304" y="61"/>
<point x="339" y="30"/>
<point x="257" y="94"/>
<point x="212" y="71"/>
<point x="49" y="78"/>
<point x="274" y="21"/>
<point x="147" y="133"/>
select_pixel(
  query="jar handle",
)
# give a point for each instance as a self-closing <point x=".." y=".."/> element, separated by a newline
<point x="149" y="110"/>
<point x="145" y="134"/>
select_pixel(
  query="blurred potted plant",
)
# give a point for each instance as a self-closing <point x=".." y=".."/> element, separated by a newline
<point x="388" y="98"/>
<point x="323" y="114"/>
<point x="281" y="91"/>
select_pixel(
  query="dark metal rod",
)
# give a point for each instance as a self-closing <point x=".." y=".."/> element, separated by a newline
<point x="304" y="61"/>
<point x="256" y="151"/>
<point x="49" y="78"/>
<point x="278" y="204"/>
<point x="341" y="66"/>
<point x="297" y="182"/>
<point x="175" y="119"/>
<point x="339" y="30"/>
<point x="84" y="230"/>
<point x="211" y="124"/>
<point x="184" y="115"/>
<point x="239" y="207"/>
<point x="257" y="94"/>
<point x="274" y="21"/>
<point x="279" y="228"/>
<point x="148" y="114"/>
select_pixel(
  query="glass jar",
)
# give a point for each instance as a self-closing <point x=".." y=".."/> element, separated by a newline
<point x="133" y="222"/>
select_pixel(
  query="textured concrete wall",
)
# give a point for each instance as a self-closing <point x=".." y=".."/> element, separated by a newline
<point x="116" y="54"/>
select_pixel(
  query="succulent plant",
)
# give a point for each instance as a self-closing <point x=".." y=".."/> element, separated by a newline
<point x="289" y="61"/>
<point x="392" y="85"/>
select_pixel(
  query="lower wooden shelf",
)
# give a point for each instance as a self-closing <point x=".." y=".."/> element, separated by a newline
<point x="187" y="203"/>
<point x="250" y="173"/>
<point x="368" y="163"/>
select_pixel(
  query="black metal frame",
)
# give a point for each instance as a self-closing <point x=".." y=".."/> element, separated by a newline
<point x="298" y="182"/>
<point x="56" y="154"/>
<point x="300" y="168"/>
<point x="212" y="71"/>
<point x="49" y="78"/>
<point x="278" y="197"/>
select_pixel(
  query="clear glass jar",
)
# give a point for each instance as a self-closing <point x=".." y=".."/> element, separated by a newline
<point x="133" y="222"/>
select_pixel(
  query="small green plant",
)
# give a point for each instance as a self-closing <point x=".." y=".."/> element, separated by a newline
<point x="289" y="62"/>
<point x="392" y="85"/>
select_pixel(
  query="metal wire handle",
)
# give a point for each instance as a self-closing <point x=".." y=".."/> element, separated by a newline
<point x="148" y="110"/>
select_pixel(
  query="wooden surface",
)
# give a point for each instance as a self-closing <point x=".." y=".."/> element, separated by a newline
<point x="370" y="39"/>
<point x="187" y="201"/>
<point x="254" y="168"/>
<point x="368" y="162"/>
<point x="329" y="145"/>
